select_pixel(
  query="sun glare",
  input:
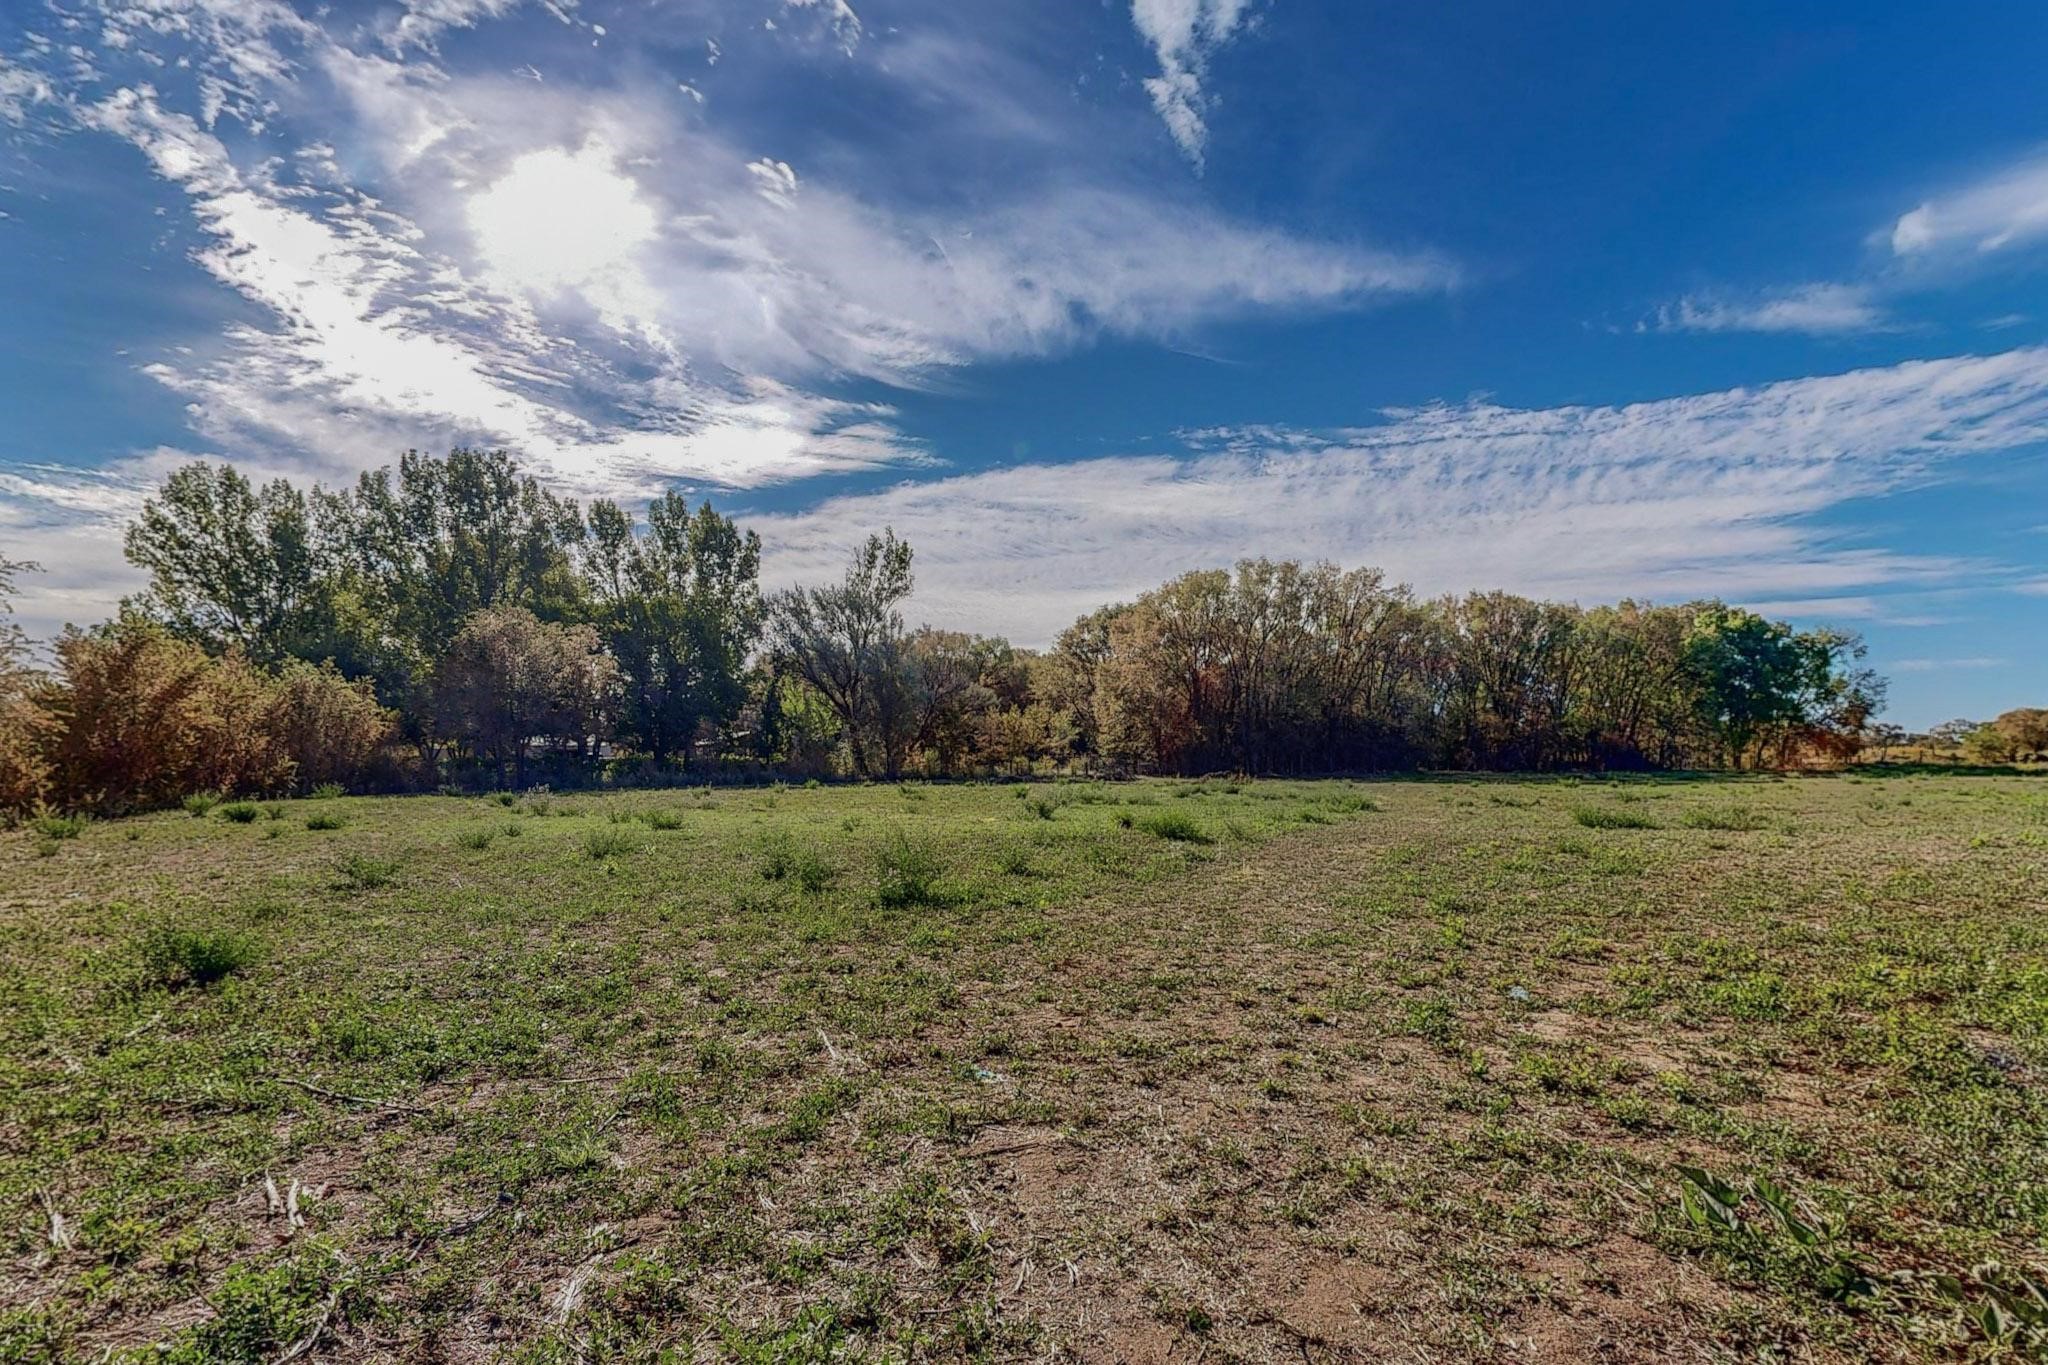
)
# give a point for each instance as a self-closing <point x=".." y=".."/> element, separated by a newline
<point x="565" y="220"/>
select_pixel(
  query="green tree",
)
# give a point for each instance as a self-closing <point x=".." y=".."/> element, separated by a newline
<point x="509" y="678"/>
<point x="230" y="566"/>
<point x="681" y="609"/>
<point x="846" y="642"/>
<point x="1754" y="677"/>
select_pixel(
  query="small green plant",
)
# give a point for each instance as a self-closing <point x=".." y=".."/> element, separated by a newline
<point x="241" y="812"/>
<point x="1042" y="807"/>
<point x="478" y="839"/>
<point x="361" y="872"/>
<point x="61" y="826"/>
<point x="1727" y="818"/>
<point x="506" y="799"/>
<point x="173" y="956"/>
<point x="273" y="810"/>
<point x="664" y="819"/>
<point x="199" y="803"/>
<point x="906" y="873"/>
<point x="1606" y="817"/>
<point x="325" y="819"/>
<point x="1178" y="826"/>
<point x="610" y="842"/>
<point x="1809" y="1251"/>
<point x="328" y="791"/>
<point x="778" y="858"/>
<point x="812" y="873"/>
<point x="1014" y="862"/>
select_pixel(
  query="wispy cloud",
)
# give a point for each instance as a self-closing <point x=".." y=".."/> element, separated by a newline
<point x="1944" y="665"/>
<point x="2006" y="208"/>
<point x="587" y="266"/>
<point x="1711" y="494"/>
<point x="1816" y="309"/>
<point x="1182" y="34"/>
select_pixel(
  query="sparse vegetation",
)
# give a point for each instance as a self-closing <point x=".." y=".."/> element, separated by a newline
<point x="1457" y="1073"/>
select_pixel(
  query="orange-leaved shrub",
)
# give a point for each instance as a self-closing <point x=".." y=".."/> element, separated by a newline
<point x="133" y="718"/>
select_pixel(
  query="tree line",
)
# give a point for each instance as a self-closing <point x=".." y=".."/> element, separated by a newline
<point x="451" y="620"/>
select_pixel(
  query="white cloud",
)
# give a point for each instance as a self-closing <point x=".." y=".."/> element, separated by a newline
<point x="2004" y="209"/>
<point x="1818" y="309"/>
<point x="1182" y="34"/>
<point x="1945" y="665"/>
<point x="1710" y="494"/>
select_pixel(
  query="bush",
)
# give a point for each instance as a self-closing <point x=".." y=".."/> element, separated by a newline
<point x="1177" y="826"/>
<point x="1014" y="862"/>
<point x="1606" y="817"/>
<point x="199" y="803"/>
<point x="813" y="873"/>
<point x="325" y="819"/>
<point x="664" y="819"/>
<point x="241" y="812"/>
<point x="327" y="729"/>
<point x="476" y="838"/>
<point x="1733" y="817"/>
<point x="142" y="718"/>
<point x="610" y="842"/>
<point x="174" y="956"/>
<point x="328" y="791"/>
<point x="906" y="873"/>
<point x="61" y="826"/>
<point x="361" y="872"/>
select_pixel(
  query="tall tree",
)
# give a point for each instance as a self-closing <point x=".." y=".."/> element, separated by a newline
<point x="230" y="566"/>
<point x="846" y="641"/>
<point x="681" y="610"/>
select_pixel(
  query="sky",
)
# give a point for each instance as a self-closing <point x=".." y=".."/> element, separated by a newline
<point x="1588" y="302"/>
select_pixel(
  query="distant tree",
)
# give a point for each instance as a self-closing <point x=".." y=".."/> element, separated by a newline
<point x="846" y="642"/>
<point x="508" y="678"/>
<point x="681" y="609"/>
<point x="1950" y="734"/>
<point x="2026" y="728"/>
<point x="230" y="566"/>
<point x="421" y="551"/>
<point x="1989" y="744"/>
<point x="1882" y="739"/>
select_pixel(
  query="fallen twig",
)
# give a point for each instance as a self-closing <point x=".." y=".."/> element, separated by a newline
<point x="324" y="1092"/>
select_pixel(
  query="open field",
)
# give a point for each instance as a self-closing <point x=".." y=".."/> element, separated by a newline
<point x="1144" y="1071"/>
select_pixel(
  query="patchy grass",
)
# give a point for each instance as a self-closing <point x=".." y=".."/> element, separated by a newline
<point x="1412" y="1068"/>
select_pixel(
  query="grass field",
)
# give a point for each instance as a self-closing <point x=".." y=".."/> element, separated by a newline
<point x="1144" y="1071"/>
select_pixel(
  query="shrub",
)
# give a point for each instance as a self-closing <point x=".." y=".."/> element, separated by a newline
<point x="1041" y="807"/>
<point x="174" y="956"/>
<point x="328" y="791"/>
<point x="505" y="798"/>
<point x="241" y="812"/>
<point x="610" y="842"/>
<point x="1606" y="817"/>
<point x="325" y="819"/>
<point x="61" y="826"/>
<point x="1177" y="826"/>
<point x="327" y="729"/>
<point x="361" y="872"/>
<point x="25" y="732"/>
<point x="813" y="873"/>
<point x="142" y="718"/>
<point x="1014" y="862"/>
<point x="476" y="838"/>
<point x="778" y="857"/>
<point x="1733" y="817"/>
<point x="664" y="819"/>
<point x="906" y="873"/>
<point x="199" y="803"/>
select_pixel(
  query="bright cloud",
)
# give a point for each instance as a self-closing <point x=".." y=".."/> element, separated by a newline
<point x="1182" y="34"/>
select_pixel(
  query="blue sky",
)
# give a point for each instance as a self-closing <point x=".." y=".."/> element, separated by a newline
<point x="1745" y="300"/>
